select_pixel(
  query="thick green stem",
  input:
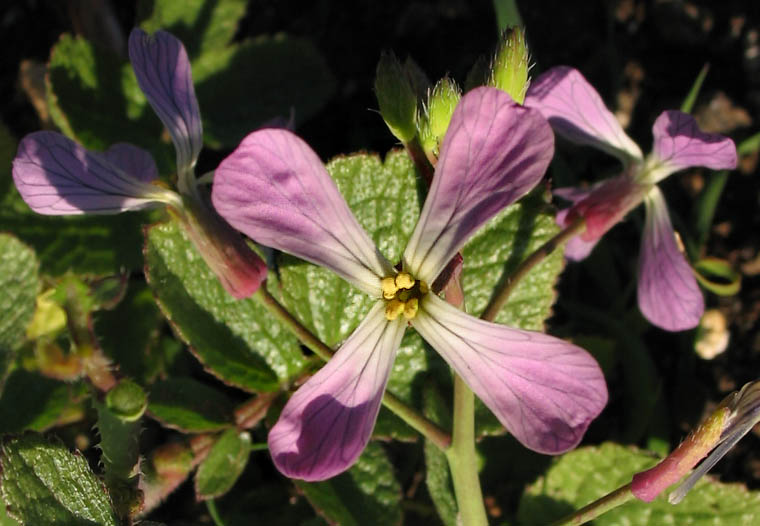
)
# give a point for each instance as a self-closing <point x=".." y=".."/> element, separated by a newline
<point x="427" y="428"/>
<point x="598" y="507"/>
<point x="499" y="299"/>
<point x="463" y="461"/>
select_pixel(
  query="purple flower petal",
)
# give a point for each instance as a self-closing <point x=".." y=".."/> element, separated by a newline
<point x="133" y="160"/>
<point x="163" y="72"/>
<point x="679" y="144"/>
<point x="327" y="423"/>
<point x="577" y="112"/>
<point x="494" y="152"/>
<point x="669" y="296"/>
<point x="577" y="249"/>
<point x="544" y="390"/>
<point x="603" y="206"/>
<point x="276" y="190"/>
<point x="56" y="176"/>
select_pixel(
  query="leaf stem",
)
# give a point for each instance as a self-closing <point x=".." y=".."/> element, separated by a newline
<point x="598" y="507"/>
<point x="211" y="507"/>
<point x="411" y="416"/>
<point x="462" y="458"/>
<point x="499" y="299"/>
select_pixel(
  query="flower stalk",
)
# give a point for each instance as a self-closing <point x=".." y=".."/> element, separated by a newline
<point x="501" y="295"/>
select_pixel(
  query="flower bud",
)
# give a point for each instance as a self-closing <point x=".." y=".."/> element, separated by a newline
<point x="127" y="401"/>
<point x="509" y="69"/>
<point x="735" y="417"/>
<point x="396" y="97"/>
<point x="441" y="102"/>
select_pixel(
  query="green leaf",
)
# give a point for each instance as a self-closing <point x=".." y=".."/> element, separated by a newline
<point x="43" y="483"/>
<point x="237" y="340"/>
<point x="134" y="346"/>
<point x="19" y="283"/>
<point x="33" y="402"/>
<point x="261" y="79"/>
<point x="496" y="250"/>
<point x="384" y="198"/>
<point x="586" y="474"/>
<point x="188" y="405"/>
<point x="201" y="25"/>
<point x="87" y="245"/>
<point x="225" y="462"/>
<point x="94" y="98"/>
<point x="368" y="493"/>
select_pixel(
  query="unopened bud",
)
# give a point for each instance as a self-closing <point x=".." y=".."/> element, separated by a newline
<point x="396" y="97"/>
<point x="509" y="69"/>
<point x="127" y="401"/>
<point x="436" y="116"/>
<point x="734" y="418"/>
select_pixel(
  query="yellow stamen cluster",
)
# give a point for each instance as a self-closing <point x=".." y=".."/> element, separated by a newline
<point x="402" y="294"/>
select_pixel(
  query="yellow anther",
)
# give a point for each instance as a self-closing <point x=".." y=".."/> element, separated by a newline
<point x="404" y="294"/>
<point x="423" y="287"/>
<point x="404" y="280"/>
<point x="393" y="309"/>
<point x="410" y="308"/>
<point x="389" y="287"/>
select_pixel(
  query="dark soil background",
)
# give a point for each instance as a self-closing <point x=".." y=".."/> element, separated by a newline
<point x="642" y="56"/>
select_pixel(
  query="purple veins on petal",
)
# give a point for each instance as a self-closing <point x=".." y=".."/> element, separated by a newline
<point x="56" y="176"/>
<point x="669" y="296"/>
<point x="327" y="423"/>
<point x="545" y="391"/>
<point x="577" y="112"/>
<point x="494" y="152"/>
<point x="276" y="190"/>
<point x="163" y="72"/>
<point x="679" y="144"/>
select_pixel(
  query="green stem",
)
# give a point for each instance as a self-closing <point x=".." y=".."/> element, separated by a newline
<point x="499" y="299"/>
<point x="427" y="428"/>
<point x="598" y="507"/>
<point x="211" y="507"/>
<point x="462" y="459"/>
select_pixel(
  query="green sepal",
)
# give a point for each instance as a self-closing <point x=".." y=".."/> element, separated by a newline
<point x="510" y="65"/>
<point x="396" y="97"/>
<point x="436" y="115"/>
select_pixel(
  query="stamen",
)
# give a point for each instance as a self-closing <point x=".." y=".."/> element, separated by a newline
<point x="410" y="308"/>
<point x="404" y="280"/>
<point x="393" y="309"/>
<point x="389" y="287"/>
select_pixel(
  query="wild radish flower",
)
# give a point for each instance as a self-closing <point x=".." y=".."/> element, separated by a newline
<point x="275" y="189"/>
<point x="734" y="418"/>
<point x="668" y="293"/>
<point x="56" y="176"/>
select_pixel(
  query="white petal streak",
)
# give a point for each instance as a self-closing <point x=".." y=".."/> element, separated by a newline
<point x="544" y="390"/>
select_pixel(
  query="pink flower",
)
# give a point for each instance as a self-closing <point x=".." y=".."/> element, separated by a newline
<point x="669" y="296"/>
<point x="56" y="176"/>
<point x="275" y="189"/>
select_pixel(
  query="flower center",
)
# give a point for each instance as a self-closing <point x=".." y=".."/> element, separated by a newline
<point x="402" y="295"/>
